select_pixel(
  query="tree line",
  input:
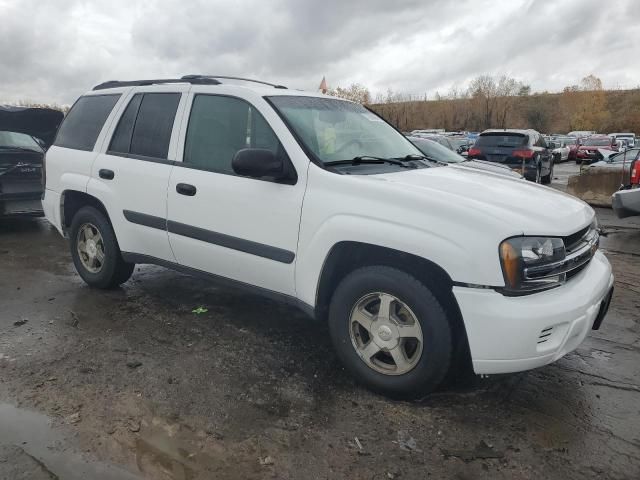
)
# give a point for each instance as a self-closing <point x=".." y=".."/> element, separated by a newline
<point x="504" y="102"/>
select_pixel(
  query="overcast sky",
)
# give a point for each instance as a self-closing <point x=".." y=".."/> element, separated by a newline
<point x="54" y="50"/>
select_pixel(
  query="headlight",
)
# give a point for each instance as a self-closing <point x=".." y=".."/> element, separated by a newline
<point x="520" y="256"/>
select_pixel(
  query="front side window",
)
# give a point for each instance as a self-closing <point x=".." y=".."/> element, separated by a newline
<point x="335" y="130"/>
<point x="219" y="126"/>
<point x="84" y="122"/>
<point x="542" y="142"/>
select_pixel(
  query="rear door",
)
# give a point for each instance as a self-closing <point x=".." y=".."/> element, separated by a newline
<point x="131" y="173"/>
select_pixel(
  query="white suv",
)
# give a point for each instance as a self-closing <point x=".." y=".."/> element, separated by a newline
<point x="416" y="266"/>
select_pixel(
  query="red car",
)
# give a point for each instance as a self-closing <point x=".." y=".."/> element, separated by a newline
<point x="588" y="149"/>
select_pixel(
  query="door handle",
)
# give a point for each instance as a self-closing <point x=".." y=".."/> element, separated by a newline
<point x="186" y="189"/>
<point x="106" y="174"/>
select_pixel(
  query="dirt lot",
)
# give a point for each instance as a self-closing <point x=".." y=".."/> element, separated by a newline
<point x="132" y="384"/>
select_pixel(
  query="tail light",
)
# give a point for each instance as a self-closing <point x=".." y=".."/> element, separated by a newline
<point x="523" y="153"/>
<point x="473" y="151"/>
<point x="635" y="173"/>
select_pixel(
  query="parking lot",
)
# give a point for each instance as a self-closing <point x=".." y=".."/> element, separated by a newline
<point x="132" y="383"/>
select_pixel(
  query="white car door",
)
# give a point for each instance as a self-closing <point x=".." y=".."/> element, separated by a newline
<point x="131" y="173"/>
<point x="241" y="228"/>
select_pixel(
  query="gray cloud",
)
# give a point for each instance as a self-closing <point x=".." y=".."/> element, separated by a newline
<point x="54" y="51"/>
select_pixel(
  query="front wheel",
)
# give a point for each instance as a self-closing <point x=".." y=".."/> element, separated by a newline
<point x="95" y="251"/>
<point x="390" y="332"/>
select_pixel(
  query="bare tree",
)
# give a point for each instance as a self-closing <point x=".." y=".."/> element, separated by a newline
<point x="354" y="92"/>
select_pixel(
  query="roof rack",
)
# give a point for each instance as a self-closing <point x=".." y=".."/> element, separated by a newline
<point x="192" y="79"/>
<point x="223" y="77"/>
<point x="196" y="80"/>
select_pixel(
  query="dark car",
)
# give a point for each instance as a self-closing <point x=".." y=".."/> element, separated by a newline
<point x="25" y="134"/>
<point x="525" y="151"/>
<point x="436" y="151"/>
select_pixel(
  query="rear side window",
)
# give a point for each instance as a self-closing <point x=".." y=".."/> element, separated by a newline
<point x="121" y="141"/>
<point x="146" y="124"/>
<point x="501" y="140"/>
<point x="84" y="122"/>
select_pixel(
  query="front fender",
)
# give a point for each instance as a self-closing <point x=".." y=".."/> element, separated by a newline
<point x="452" y="255"/>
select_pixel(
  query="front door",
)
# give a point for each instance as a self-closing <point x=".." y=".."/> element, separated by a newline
<point x="241" y="228"/>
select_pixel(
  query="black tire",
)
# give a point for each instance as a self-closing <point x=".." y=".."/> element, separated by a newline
<point x="114" y="271"/>
<point x="433" y="363"/>
<point x="546" y="179"/>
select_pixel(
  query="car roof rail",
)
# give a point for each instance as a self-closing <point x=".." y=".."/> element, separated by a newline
<point x="195" y="80"/>
<point x="224" y="77"/>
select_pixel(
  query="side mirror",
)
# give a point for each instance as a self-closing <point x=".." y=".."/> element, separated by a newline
<point x="258" y="163"/>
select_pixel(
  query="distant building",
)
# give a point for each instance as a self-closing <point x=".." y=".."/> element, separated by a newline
<point x="323" y="86"/>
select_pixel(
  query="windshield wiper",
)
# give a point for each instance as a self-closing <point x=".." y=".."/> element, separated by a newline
<point x="407" y="158"/>
<point x="368" y="159"/>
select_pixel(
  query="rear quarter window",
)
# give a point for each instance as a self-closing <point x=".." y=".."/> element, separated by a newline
<point x="83" y="123"/>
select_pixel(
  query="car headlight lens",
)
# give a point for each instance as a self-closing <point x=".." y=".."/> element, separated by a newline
<point x="520" y="253"/>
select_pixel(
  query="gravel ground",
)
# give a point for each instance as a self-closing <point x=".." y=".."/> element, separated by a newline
<point x="131" y="384"/>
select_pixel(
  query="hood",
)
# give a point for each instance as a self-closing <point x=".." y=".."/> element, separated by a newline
<point x="606" y="153"/>
<point x="41" y="123"/>
<point x="488" y="167"/>
<point x="519" y="206"/>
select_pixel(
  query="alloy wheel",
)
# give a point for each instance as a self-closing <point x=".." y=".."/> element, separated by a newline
<point x="90" y="246"/>
<point x="385" y="333"/>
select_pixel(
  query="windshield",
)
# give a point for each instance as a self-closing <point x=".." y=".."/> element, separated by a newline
<point x="627" y="156"/>
<point x="339" y="130"/>
<point x="433" y="149"/>
<point x="458" y="142"/>
<point x="597" y="142"/>
<point x="18" y="140"/>
<point x="501" y="140"/>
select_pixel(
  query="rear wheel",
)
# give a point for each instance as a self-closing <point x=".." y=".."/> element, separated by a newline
<point x="390" y="332"/>
<point x="95" y="251"/>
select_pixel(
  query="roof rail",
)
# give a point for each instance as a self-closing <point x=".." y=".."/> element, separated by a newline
<point x="223" y="77"/>
<point x="193" y="79"/>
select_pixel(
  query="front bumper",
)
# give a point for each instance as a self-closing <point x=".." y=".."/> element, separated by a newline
<point x="626" y="203"/>
<point x="511" y="334"/>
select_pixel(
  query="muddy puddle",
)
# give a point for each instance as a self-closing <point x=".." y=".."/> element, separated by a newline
<point x="49" y="450"/>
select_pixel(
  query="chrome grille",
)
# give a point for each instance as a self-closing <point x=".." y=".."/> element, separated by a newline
<point x="580" y="249"/>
